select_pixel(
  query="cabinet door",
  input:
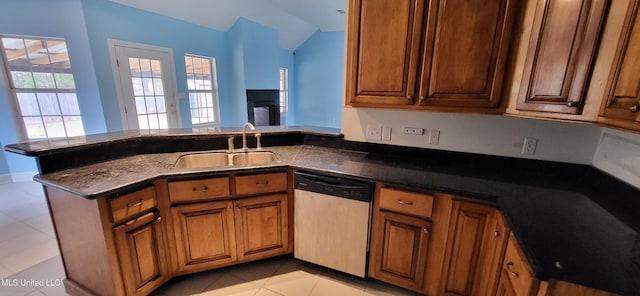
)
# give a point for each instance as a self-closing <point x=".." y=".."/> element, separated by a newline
<point x="504" y="286"/>
<point x="262" y="226"/>
<point x="560" y="55"/>
<point x="383" y="51"/>
<point x="141" y="252"/>
<point x="623" y="89"/>
<point x="466" y="51"/>
<point x="204" y="234"/>
<point x="399" y="246"/>
<point x="469" y="249"/>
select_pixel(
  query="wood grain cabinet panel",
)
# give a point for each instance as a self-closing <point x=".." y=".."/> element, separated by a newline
<point x="623" y="88"/>
<point x="383" y="51"/>
<point x="560" y="55"/>
<point x="141" y="252"/>
<point x="465" y="53"/>
<point x="262" y="226"/>
<point x="399" y="247"/>
<point x="204" y="234"/>
<point x="474" y="245"/>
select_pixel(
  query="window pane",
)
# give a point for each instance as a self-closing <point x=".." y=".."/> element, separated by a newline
<point x="141" y="107"/>
<point x="16" y="54"/>
<point x="44" y="80"/>
<point x="134" y="66"/>
<point x="147" y="85"/>
<point x="164" y="123"/>
<point x="34" y="127"/>
<point x="156" y="69"/>
<point x="54" y="126"/>
<point x="28" y="104"/>
<point x="64" y="81"/>
<point x="74" y="126"/>
<point x="143" y="122"/>
<point x="69" y="104"/>
<point x="22" y="79"/>
<point x="137" y="86"/>
<point x="153" y="121"/>
<point x="160" y="105"/>
<point x="48" y="104"/>
<point x="158" y="87"/>
<point x="151" y="104"/>
<point x="58" y="56"/>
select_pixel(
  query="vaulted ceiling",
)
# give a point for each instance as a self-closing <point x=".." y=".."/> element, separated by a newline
<point x="295" y="20"/>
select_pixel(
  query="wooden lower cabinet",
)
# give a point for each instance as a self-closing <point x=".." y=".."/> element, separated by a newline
<point x="399" y="247"/>
<point x="220" y="233"/>
<point x="262" y="226"/>
<point x="141" y="252"/>
<point x="504" y="287"/>
<point x="205" y="235"/>
<point x="475" y="247"/>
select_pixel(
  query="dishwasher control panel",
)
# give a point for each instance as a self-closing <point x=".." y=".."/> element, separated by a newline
<point x="332" y="185"/>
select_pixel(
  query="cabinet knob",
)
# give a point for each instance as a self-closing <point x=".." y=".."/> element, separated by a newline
<point x="425" y="230"/>
<point x="409" y="98"/>
<point x="635" y="108"/>
<point x="496" y="233"/>
<point x="159" y="220"/>
<point x="572" y="103"/>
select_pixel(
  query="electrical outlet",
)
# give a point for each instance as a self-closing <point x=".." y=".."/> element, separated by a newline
<point x="413" y="131"/>
<point x="434" y="137"/>
<point x="374" y="132"/>
<point x="386" y="133"/>
<point x="529" y="146"/>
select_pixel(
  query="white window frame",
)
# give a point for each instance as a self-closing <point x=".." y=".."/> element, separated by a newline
<point x="284" y="109"/>
<point x="214" y="92"/>
<point x="173" y="114"/>
<point x="10" y="92"/>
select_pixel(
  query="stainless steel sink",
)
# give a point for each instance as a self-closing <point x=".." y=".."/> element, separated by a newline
<point x="255" y="157"/>
<point x="222" y="159"/>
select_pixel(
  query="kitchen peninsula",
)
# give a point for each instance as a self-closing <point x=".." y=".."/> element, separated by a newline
<point x="109" y="192"/>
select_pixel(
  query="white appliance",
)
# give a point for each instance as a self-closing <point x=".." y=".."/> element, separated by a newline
<point x="332" y="217"/>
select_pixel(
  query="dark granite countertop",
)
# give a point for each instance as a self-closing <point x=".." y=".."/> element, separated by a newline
<point x="567" y="232"/>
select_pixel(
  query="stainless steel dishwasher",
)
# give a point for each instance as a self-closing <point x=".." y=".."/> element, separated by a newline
<point x="332" y="216"/>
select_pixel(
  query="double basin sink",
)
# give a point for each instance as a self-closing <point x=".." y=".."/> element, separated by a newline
<point x="225" y="159"/>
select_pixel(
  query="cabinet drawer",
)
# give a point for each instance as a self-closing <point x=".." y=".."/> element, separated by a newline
<point x="129" y="205"/>
<point x="405" y="202"/>
<point x="262" y="183"/>
<point x="200" y="189"/>
<point x="517" y="269"/>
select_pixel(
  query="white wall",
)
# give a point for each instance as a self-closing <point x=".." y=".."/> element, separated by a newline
<point x="477" y="133"/>
<point x="618" y="154"/>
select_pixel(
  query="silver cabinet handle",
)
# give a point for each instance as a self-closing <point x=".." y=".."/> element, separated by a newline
<point x="635" y="108"/>
<point x="510" y="269"/>
<point x="131" y="205"/>
<point x="201" y="189"/>
<point x="572" y="103"/>
<point x="402" y="202"/>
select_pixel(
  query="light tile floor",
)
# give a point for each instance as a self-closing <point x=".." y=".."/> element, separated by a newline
<point x="30" y="263"/>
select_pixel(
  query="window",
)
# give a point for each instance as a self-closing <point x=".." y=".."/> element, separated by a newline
<point x="43" y="86"/>
<point x="203" y="90"/>
<point x="284" y="90"/>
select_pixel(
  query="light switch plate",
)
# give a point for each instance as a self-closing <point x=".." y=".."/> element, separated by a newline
<point x="386" y="133"/>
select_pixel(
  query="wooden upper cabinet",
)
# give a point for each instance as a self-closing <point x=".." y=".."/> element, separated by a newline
<point x="383" y="51"/>
<point x="466" y="51"/>
<point x="623" y="88"/>
<point x="560" y="55"/>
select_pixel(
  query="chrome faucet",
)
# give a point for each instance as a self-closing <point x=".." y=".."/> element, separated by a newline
<point x="244" y="135"/>
<point x="230" y="144"/>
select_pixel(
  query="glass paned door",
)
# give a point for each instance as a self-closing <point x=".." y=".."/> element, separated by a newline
<point x="147" y="87"/>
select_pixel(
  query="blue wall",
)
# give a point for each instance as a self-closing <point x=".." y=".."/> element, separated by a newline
<point x="107" y="19"/>
<point x="287" y="61"/>
<point x="318" y="76"/>
<point x="235" y="112"/>
<point x="61" y="19"/>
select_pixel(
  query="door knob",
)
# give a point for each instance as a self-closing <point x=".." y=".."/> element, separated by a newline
<point x="635" y="108"/>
